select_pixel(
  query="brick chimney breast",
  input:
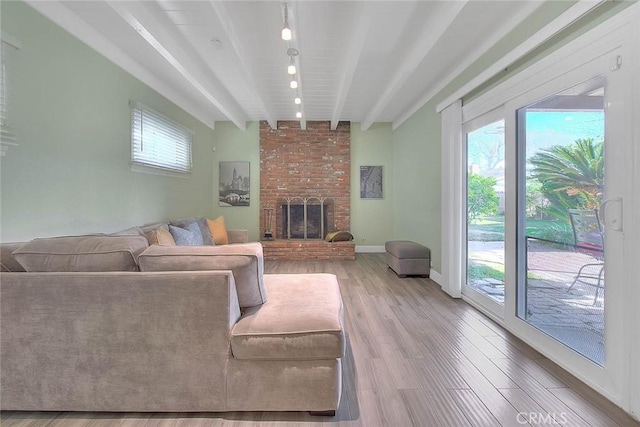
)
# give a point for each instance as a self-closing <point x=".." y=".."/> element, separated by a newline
<point x="315" y="162"/>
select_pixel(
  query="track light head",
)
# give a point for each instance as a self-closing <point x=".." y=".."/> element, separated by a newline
<point x="286" y="31"/>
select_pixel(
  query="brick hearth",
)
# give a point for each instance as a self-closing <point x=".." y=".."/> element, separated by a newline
<point x="315" y="162"/>
<point x="308" y="250"/>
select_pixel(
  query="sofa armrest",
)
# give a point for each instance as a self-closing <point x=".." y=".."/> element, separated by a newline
<point x="116" y="341"/>
<point x="238" y="236"/>
<point x="7" y="261"/>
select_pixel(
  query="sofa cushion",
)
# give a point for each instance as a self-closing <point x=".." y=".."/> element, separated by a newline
<point x="188" y="236"/>
<point x="202" y="225"/>
<point x="82" y="253"/>
<point x="7" y="261"/>
<point x="301" y="320"/>
<point x="238" y="236"/>
<point x="218" y="230"/>
<point x="246" y="260"/>
<point x="131" y="231"/>
<point x="143" y="230"/>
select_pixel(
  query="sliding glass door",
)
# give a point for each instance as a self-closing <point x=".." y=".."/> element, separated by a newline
<point x="561" y="141"/>
<point x="569" y="165"/>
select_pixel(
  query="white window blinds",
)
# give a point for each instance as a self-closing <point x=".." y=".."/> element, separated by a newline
<point x="158" y="142"/>
<point x="3" y="92"/>
<point x="7" y="137"/>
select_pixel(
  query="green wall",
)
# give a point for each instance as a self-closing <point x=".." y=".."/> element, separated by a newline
<point x="233" y="144"/>
<point x="70" y="173"/>
<point x="372" y="219"/>
<point x="416" y="180"/>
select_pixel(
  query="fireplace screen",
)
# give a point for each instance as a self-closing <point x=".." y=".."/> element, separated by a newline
<point x="307" y="220"/>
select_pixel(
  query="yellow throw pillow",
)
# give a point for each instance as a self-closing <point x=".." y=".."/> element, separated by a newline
<point x="218" y="230"/>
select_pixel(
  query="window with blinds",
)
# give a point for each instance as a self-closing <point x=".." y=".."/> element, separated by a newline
<point x="158" y="142"/>
<point x="3" y="92"/>
<point x="7" y="137"/>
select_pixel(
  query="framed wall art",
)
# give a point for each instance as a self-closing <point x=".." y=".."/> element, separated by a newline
<point x="235" y="184"/>
<point x="371" y="182"/>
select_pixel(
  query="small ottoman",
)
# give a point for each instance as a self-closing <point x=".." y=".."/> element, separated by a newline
<point x="408" y="258"/>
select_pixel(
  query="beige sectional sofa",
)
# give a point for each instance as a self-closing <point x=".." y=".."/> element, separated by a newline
<point x="108" y="323"/>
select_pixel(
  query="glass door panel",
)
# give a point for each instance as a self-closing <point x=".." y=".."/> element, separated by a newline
<point x="561" y="175"/>
<point x="485" y="211"/>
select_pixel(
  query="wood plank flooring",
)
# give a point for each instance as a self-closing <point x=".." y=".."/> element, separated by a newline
<point x="415" y="358"/>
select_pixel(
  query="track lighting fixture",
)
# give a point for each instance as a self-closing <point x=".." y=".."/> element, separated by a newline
<point x="286" y="31"/>
<point x="292" y="52"/>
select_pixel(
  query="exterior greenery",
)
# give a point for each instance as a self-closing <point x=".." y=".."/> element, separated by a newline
<point x="481" y="197"/>
<point x="570" y="177"/>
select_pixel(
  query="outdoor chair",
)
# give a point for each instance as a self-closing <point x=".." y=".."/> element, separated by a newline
<point x="589" y="240"/>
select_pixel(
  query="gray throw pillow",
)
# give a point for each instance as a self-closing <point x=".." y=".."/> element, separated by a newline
<point x="202" y="223"/>
<point x="190" y="235"/>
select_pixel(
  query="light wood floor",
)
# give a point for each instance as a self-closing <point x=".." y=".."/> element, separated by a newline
<point x="415" y="358"/>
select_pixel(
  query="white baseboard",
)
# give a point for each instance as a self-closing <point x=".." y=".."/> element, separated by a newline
<point x="370" y="249"/>
<point x="436" y="277"/>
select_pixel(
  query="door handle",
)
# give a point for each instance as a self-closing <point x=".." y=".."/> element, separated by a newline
<point x="616" y="223"/>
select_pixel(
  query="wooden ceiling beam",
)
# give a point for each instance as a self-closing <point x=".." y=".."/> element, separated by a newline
<point x="159" y="32"/>
<point x="432" y="31"/>
<point x="352" y="57"/>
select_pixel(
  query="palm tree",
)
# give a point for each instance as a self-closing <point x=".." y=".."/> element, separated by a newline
<point x="572" y="176"/>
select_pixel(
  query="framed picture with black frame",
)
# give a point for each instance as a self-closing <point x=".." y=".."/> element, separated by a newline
<point x="235" y="184"/>
<point x="371" y="182"/>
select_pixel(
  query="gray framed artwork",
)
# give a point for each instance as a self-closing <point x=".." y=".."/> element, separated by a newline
<point x="235" y="184"/>
<point x="371" y="182"/>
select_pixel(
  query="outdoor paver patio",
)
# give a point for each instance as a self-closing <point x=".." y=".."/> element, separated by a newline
<point x="570" y="317"/>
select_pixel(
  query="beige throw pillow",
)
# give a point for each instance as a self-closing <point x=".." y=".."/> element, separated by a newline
<point x="164" y="237"/>
<point x="161" y="236"/>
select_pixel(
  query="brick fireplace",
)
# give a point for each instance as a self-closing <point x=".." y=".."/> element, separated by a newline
<point x="305" y="167"/>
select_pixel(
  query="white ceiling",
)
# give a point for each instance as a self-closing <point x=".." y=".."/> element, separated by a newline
<point x="360" y="61"/>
